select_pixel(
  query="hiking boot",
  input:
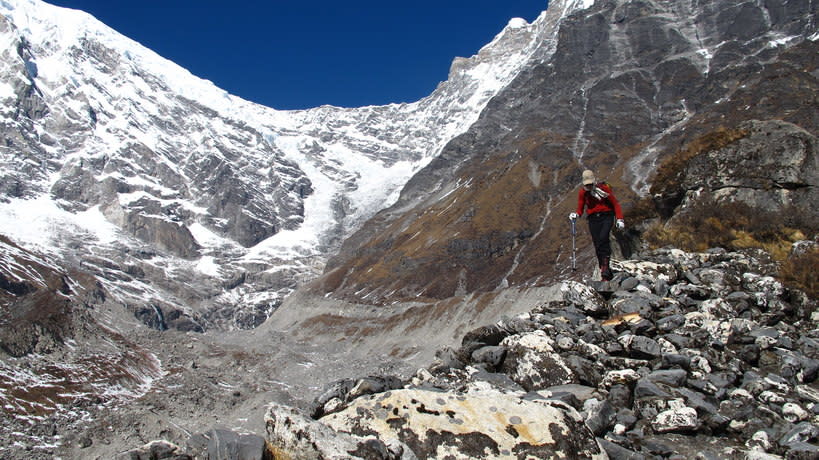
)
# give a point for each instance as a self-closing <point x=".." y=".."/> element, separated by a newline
<point x="605" y="271"/>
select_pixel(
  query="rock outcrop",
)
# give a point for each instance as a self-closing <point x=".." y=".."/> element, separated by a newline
<point x="770" y="166"/>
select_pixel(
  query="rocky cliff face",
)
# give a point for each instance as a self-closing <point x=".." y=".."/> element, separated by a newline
<point x="630" y="86"/>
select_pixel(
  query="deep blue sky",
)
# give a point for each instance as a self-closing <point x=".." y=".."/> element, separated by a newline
<point x="291" y="54"/>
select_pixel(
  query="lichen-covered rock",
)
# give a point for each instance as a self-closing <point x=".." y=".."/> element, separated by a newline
<point x="584" y="298"/>
<point x="682" y="419"/>
<point x="293" y="435"/>
<point x="531" y="361"/>
<point x="649" y="271"/>
<point x="478" y="425"/>
<point x="620" y="377"/>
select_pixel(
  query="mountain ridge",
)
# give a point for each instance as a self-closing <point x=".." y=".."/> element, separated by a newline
<point x="203" y="183"/>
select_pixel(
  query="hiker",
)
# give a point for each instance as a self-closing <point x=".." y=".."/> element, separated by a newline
<point x="602" y="208"/>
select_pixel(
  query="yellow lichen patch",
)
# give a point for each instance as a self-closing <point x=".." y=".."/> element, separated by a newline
<point x="627" y="318"/>
<point x="526" y="434"/>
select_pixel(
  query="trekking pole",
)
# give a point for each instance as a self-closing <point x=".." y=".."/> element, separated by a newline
<point x="574" y="247"/>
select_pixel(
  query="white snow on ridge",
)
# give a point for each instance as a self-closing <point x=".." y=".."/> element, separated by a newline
<point x="61" y="28"/>
<point x="517" y="23"/>
<point x="129" y="118"/>
<point x="38" y="222"/>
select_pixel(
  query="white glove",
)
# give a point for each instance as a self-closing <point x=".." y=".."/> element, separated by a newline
<point x="620" y="224"/>
<point x="573" y="216"/>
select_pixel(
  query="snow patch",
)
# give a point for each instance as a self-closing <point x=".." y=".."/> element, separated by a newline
<point x="517" y="23"/>
<point x="6" y="91"/>
<point x="40" y="221"/>
<point x="207" y="239"/>
<point x="782" y="41"/>
<point x="207" y="265"/>
<point x="583" y="4"/>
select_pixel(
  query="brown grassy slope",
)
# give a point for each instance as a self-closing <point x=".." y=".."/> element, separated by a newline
<point x="62" y="356"/>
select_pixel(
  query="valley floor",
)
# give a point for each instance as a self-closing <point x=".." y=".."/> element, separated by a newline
<point x="212" y="380"/>
<point x="227" y="379"/>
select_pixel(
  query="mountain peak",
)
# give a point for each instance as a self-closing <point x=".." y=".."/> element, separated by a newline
<point x="517" y="23"/>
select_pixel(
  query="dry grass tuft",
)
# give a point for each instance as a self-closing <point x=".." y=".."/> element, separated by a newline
<point x="800" y="272"/>
<point x="737" y="226"/>
<point x="731" y="225"/>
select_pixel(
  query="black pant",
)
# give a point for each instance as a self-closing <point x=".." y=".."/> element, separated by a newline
<point x="600" y="224"/>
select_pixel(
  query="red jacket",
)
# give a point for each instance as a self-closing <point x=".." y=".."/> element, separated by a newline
<point x="594" y="205"/>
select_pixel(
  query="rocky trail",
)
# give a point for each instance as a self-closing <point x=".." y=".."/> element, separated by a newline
<point x="690" y="356"/>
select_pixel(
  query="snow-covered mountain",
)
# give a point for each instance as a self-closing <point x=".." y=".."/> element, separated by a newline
<point x="125" y="181"/>
<point x="189" y="202"/>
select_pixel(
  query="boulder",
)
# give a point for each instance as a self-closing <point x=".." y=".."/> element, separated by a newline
<point x="492" y="356"/>
<point x="616" y="452"/>
<point x="641" y="347"/>
<point x="599" y="415"/>
<point x="584" y="297"/>
<point x="156" y="450"/>
<point x="292" y="434"/>
<point x="482" y="424"/>
<point x="532" y="362"/>
<point x="682" y="419"/>
<point x="620" y="377"/>
<point x="229" y="445"/>
<point x="802" y="451"/>
<point x="670" y="377"/>
<point x="648" y="271"/>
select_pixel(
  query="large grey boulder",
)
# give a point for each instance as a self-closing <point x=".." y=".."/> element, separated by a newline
<point x="155" y="450"/>
<point x="229" y="445"/>
<point x="484" y="424"/>
<point x="292" y="434"/>
<point x="774" y="168"/>
<point x="584" y="298"/>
